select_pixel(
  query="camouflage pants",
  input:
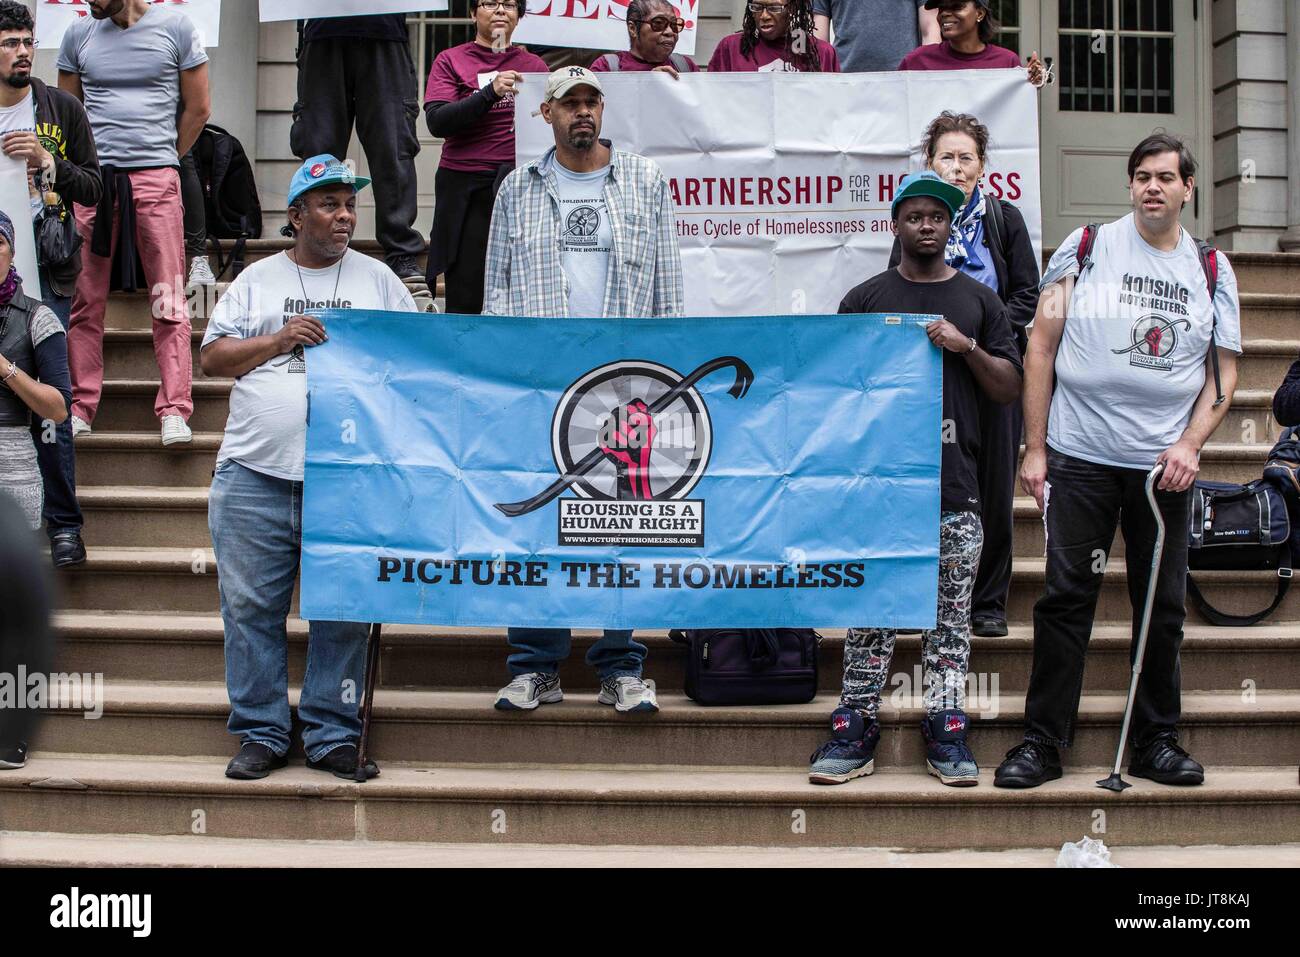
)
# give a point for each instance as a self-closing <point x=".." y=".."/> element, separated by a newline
<point x="945" y="651"/>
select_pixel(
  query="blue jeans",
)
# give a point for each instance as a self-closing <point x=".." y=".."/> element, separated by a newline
<point x="56" y="459"/>
<point x="256" y="525"/>
<point x="542" y="649"/>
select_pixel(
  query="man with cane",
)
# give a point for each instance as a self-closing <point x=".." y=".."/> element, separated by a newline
<point x="1121" y="377"/>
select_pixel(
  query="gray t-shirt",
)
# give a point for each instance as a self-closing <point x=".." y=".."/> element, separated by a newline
<point x="1132" y="358"/>
<point x="586" y="238"/>
<point x="872" y="36"/>
<point x="131" y="83"/>
<point x="267" y="427"/>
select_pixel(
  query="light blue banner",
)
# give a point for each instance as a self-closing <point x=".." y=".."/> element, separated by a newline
<point x="720" y="472"/>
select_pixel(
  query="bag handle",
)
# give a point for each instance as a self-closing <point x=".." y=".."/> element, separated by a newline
<point x="1224" y="620"/>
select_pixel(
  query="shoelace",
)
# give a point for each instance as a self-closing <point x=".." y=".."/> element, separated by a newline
<point x="955" y="751"/>
<point x="1031" y="750"/>
<point x="830" y="746"/>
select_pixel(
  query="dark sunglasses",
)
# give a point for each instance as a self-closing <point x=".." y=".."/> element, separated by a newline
<point x="660" y="24"/>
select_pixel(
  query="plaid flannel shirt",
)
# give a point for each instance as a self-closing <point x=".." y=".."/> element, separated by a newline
<point x="524" y="272"/>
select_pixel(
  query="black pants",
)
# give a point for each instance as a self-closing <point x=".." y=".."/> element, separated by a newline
<point x="1085" y="502"/>
<point x="196" y="216"/>
<point x="57" y="460"/>
<point x="459" y="248"/>
<point x="371" y="83"/>
<point x="1000" y="430"/>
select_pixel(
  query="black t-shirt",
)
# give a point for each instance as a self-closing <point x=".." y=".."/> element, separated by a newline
<point x="977" y="311"/>
<point x="377" y="26"/>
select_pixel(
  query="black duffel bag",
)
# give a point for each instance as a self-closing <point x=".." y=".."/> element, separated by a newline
<point x="1236" y="527"/>
<point x="750" y="665"/>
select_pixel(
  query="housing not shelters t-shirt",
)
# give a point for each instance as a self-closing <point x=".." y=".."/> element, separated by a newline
<point x="464" y="70"/>
<point x="978" y="312"/>
<point x="131" y="81"/>
<point x="1137" y="335"/>
<point x="266" y="430"/>
<point x="768" y="57"/>
<point x="871" y="36"/>
<point x="586" y="238"/>
<point x="629" y="62"/>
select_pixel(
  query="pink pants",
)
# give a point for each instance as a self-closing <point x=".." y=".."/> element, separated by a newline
<point x="160" y="242"/>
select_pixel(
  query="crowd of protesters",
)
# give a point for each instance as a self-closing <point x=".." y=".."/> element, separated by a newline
<point x="114" y="155"/>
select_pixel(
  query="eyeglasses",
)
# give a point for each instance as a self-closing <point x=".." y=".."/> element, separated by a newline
<point x="660" y="24"/>
<point x="509" y="6"/>
<point x="775" y="9"/>
<point x="13" y="43"/>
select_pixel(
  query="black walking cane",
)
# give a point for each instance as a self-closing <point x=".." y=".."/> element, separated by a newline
<point x="368" y="702"/>
<point x="1115" y="782"/>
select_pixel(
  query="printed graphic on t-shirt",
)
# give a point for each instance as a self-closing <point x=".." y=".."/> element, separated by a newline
<point x="581" y="231"/>
<point x="1154" y="336"/>
<point x="297" y="360"/>
<point x="778" y="66"/>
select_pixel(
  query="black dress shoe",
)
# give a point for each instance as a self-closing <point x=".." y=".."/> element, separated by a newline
<point x="342" y="763"/>
<point x="1028" y="765"/>
<point x="1165" y="762"/>
<point x="13" y="757"/>
<point x="986" y="627"/>
<point x="254" y="761"/>
<point x="67" y="549"/>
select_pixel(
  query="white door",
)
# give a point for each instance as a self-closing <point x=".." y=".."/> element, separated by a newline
<point x="1123" y="69"/>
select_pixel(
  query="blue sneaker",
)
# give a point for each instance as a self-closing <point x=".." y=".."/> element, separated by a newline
<point x="850" y="753"/>
<point x="947" y="756"/>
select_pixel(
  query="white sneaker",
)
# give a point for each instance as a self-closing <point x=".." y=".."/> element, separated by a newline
<point x="528" y="691"/>
<point x="628" y="693"/>
<point x="175" y="431"/>
<point x="201" y="272"/>
<point x="79" y="426"/>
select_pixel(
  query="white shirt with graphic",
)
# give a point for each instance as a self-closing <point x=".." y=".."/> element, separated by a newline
<point x="21" y="118"/>
<point x="1132" y="358"/>
<point x="586" y="239"/>
<point x="266" y="430"/>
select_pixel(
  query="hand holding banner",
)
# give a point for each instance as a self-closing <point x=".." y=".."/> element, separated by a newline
<point x="598" y="24"/>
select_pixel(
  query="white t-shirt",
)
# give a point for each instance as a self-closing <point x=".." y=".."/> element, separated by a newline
<point x="1132" y="356"/>
<point x="586" y="238"/>
<point x="21" y="118"/>
<point x="266" y="430"/>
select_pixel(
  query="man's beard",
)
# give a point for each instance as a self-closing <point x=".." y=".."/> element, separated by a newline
<point x="19" y="81"/>
<point x="582" y="140"/>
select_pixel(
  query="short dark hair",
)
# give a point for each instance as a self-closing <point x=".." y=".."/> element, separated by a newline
<point x="523" y="6"/>
<point x="989" y="27"/>
<point x="300" y="204"/>
<point x="1162" y="142"/>
<point x="15" y="16"/>
<point x="637" y="9"/>
<point x="949" y="122"/>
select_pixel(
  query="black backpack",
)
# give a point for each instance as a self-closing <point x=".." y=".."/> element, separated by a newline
<point x="750" y="665"/>
<point x="229" y="193"/>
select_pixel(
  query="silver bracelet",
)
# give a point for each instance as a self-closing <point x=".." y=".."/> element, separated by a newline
<point x="13" y="371"/>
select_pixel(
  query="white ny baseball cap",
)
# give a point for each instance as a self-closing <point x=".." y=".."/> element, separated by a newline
<point x="566" y="78"/>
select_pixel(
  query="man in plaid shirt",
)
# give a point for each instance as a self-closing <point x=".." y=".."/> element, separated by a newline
<point x="585" y="231"/>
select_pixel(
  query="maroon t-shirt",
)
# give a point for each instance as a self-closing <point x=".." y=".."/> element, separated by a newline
<point x="630" y="63"/>
<point x="941" y="56"/>
<point x="462" y="71"/>
<point x="768" y="57"/>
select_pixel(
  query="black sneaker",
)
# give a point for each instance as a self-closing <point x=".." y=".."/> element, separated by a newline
<point x="1165" y="762"/>
<point x="986" y="626"/>
<point x="67" y="549"/>
<point x="406" y="267"/>
<point x="342" y="763"/>
<point x="13" y="757"/>
<point x="850" y="753"/>
<point x="1028" y="765"/>
<point x="254" y="761"/>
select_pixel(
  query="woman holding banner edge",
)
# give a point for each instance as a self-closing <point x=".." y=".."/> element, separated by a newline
<point x="990" y="243"/>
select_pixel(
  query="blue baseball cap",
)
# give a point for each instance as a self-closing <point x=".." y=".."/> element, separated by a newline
<point x="928" y="183"/>
<point x="323" y="170"/>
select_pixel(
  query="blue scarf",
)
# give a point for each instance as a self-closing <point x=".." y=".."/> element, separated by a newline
<point x="962" y="247"/>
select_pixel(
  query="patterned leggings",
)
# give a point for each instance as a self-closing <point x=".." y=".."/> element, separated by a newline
<point x="945" y="651"/>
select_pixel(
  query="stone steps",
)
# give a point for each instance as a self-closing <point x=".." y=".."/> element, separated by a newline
<point x="118" y="794"/>
<point x="462" y="727"/>
<point x="139" y="647"/>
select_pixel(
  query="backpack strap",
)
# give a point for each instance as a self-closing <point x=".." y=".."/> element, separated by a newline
<point x="679" y="62"/>
<point x="611" y="62"/>
<point x="995" y="227"/>
<point x="1209" y="257"/>
<point x="1224" y="620"/>
<point x="1083" y="254"/>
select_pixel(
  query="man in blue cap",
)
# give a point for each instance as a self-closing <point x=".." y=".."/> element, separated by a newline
<point x="259" y="335"/>
<point x="979" y="355"/>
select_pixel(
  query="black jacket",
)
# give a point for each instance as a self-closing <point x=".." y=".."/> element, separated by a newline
<point x="64" y="130"/>
<point x="1015" y="264"/>
<point x="1286" y="401"/>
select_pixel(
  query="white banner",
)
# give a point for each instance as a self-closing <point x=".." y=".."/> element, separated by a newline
<point x="597" y="24"/>
<point x="783" y="182"/>
<point x="15" y="200"/>
<point x="272" y="10"/>
<point x="53" y="18"/>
